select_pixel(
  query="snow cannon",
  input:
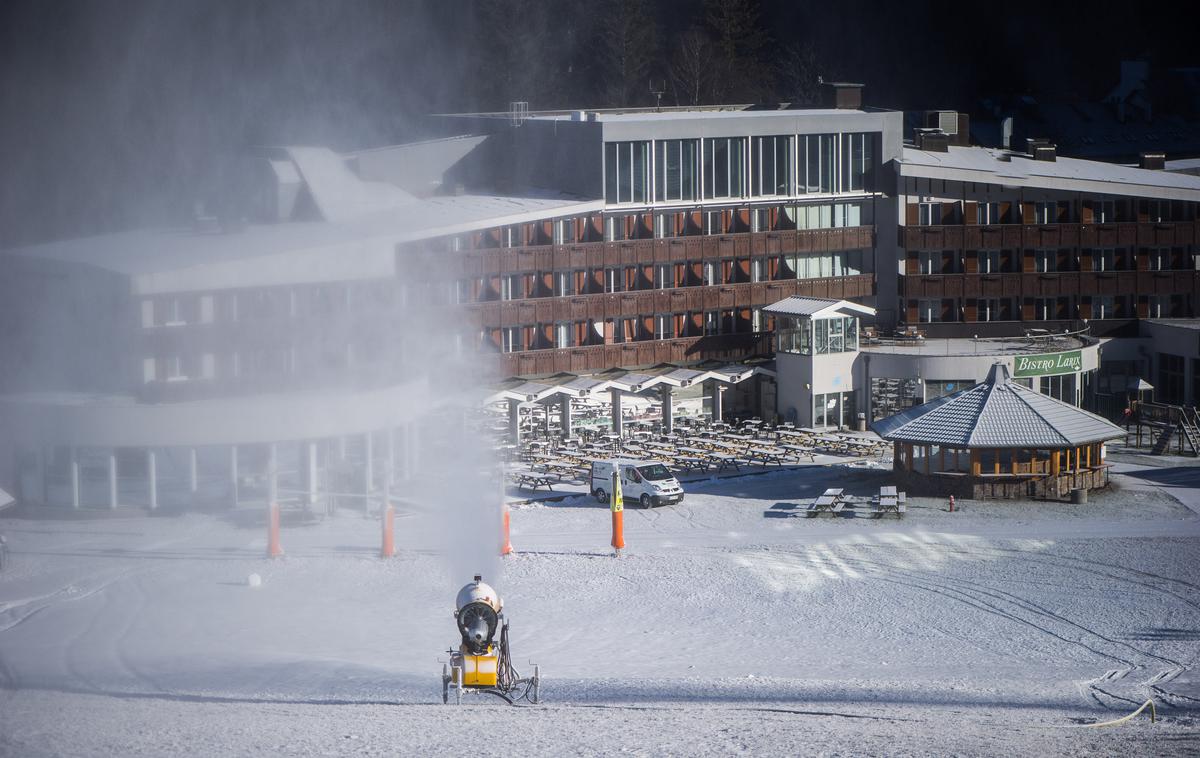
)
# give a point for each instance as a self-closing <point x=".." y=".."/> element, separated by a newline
<point x="483" y="661"/>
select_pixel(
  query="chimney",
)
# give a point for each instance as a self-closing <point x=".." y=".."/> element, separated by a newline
<point x="843" y="95"/>
<point x="1006" y="132"/>
<point x="932" y="140"/>
<point x="1152" y="161"/>
<point x="1040" y="149"/>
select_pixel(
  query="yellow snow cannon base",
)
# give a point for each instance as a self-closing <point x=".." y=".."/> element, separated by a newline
<point x="480" y="670"/>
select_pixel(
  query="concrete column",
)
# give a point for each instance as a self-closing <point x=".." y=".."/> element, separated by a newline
<point x="342" y="447"/>
<point x="152" y="478"/>
<point x="617" y="427"/>
<point x="668" y="409"/>
<point x="233" y="472"/>
<point x="368" y="463"/>
<point x="74" y="477"/>
<point x="310" y="470"/>
<point x="193" y="471"/>
<point x="717" y="411"/>
<point x="546" y="418"/>
<point x="565" y="412"/>
<point x="112" y="479"/>
<point x="514" y="422"/>
<point x="272" y="474"/>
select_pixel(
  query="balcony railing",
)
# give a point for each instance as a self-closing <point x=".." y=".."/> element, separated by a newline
<point x="725" y="347"/>
<point x="1052" y="284"/>
<point x="1026" y="236"/>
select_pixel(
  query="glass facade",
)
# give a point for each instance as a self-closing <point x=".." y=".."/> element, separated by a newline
<point x="627" y="172"/>
<point x="677" y="169"/>
<point x="724" y="167"/>
<point x="821" y="336"/>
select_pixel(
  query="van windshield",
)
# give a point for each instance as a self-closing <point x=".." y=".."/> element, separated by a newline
<point x="655" y="473"/>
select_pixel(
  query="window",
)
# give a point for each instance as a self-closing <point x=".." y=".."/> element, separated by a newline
<point x="564" y="283"/>
<point x="712" y="323"/>
<point x="1044" y="308"/>
<point x="564" y="231"/>
<point x="989" y="213"/>
<point x="626" y="172"/>
<point x="1104" y="259"/>
<point x="510" y="339"/>
<point x="758" y="270"/>
<point x="173" y="368"/>
<point x="1045" y="213"/>
<point x="814" y="216"/>
<point x="511" y="287"/>
<point x="930" y="262"/>
<point x="724" y="167"/>
<point x="1045" y="260"/>
<point x="857" y="163"/>
<point x="1104" y="306"/>
<point x="1160" y="258"/>
<point x="988" y="310"/>
<point x="927" y="310"/>
<point x="614" y="280"/>
<point x="770" y="166"/>
<point x="929" y="214"/>
<point x="989" y="261"/>
<point x="664" y="326"/>
<point x="1104" y="211"/>
<point x="1158" y="210"/>
<point x="664" y="276"/>
<point x="563" y="334"/>
<point x="710" y="273"/>
<point x="817" y="152"/>
<point x="847" y="214"/>
<point x="676" y="169"/>
<point x="1160" y="306"/>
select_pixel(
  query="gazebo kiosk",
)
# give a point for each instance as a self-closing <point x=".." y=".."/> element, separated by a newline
<point x="999" y="439"/>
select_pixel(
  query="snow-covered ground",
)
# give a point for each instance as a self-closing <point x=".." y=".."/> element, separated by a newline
<point x="733" y="624"/>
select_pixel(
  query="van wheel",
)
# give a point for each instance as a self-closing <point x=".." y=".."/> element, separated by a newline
<point x="601" y="497"/>
<point x="645" y="500"/>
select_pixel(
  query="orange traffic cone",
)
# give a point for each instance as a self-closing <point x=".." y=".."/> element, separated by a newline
<point x="273" y="548"/>
<point x="506" y="547"/>
<point x="388" y="548"/>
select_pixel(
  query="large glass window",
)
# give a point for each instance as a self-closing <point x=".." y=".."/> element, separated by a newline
<point x="677" y="169"/>
<point x="724" y="167"/>
<point x="770" y="166"/>
<point x="819" y="157"/>
<point x="626" y="172"/>
<point x="857" y="163"/>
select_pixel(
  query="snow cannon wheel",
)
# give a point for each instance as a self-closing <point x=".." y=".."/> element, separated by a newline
<point x="601" y="497"/>
<point x="445" y="684"/>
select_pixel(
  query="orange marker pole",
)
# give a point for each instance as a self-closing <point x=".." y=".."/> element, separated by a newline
<point x="618" y="514"/>
<point x="273" y="548"/>
<point x="506" y="547"/>
<point x="388" y="548"/>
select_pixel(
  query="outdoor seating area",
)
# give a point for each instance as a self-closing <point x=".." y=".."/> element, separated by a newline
<point x="834" y="502"/>
<point x="544" y="458"/>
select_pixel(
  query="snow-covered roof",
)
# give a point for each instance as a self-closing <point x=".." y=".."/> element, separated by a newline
<point x="998" y="413"/>
<point x="171" y="260"/>
<point x="337" y="192"/>
<point x="624" y="381"/>
<point x="1004" y="167"/>
<point x="815" y="307"/>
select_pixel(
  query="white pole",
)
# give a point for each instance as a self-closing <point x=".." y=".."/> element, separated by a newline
<point x="74" y="477"/>
<point x="112" y="479"/>
<point x="152" y="479"/>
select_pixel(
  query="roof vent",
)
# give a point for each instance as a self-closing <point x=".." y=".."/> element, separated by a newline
<point x="1152" y="161"/>
<point x="932" y="140"/>
<point x="947" y="121"/>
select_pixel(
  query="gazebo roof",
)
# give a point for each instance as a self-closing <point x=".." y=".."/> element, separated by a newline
<point x="998" y="413"/>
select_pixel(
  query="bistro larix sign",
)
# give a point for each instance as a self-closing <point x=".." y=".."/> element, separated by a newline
<point x="1048" y="364"/>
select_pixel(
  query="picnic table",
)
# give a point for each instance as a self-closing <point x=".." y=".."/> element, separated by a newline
<point x="828" y="502"/>
<point x="766" y="455"/>
<point x="890" y="501"/>
<point x="725" y="460"/>
<point x="691" y="463"/>
<point x="532" y="480"/>
<point x="799" y="452"/>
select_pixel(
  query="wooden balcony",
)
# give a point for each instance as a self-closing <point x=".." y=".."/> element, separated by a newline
<point x="678" y="300"/>
<point x="1052" y="284"/>
<point x="595" y="255"/>
<point x="1030" y="236"/>
<point x="724" y="347"/>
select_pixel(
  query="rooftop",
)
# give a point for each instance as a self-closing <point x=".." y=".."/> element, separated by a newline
<point x="1011" y="169"/>
<point x="976" y="347"/>
<point x="811" y="307"/>
<point x="997" y="413"/>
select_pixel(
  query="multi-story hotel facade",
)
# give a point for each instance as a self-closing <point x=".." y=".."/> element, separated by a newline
<point x="555" y="242"/>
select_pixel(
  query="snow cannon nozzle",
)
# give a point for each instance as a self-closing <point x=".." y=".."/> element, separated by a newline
<point x="483" y="662"/>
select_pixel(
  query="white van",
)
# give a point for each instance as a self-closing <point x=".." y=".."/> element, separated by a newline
<point x="644" y="482"/>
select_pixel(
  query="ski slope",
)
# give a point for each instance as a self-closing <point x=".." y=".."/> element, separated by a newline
<point x="731" y="625"/>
